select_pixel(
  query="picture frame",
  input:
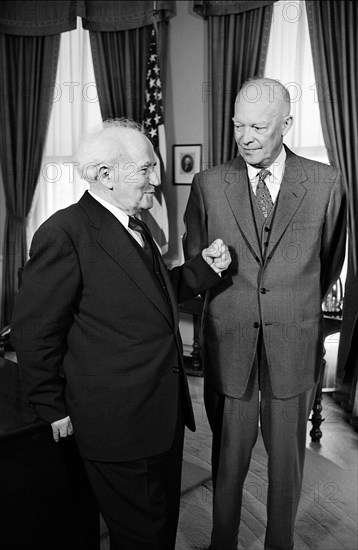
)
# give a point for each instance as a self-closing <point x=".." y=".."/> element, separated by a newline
<point x="186" y="163"/>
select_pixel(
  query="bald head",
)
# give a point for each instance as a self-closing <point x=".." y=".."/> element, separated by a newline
<point x="261" y="119"/>
<point x="268" y="91"/>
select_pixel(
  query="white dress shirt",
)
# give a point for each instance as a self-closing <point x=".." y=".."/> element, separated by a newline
<point x="121" y="216"/>
<point x="273" y="181"/>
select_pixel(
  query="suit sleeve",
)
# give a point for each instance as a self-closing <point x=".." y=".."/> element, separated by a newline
<point x="333" y="238"/>
<point x="193" y="278"/>
<point x="43" y="311"/>
<point x="195" y="219"/>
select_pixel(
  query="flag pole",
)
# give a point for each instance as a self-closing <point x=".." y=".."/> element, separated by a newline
<point x="155" y="22"/>
<point x="153" y="123"/>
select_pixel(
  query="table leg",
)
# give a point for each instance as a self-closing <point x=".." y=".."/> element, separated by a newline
<point x="316" y="417"/>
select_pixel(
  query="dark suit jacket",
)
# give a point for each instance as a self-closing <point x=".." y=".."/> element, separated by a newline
<point x="89" y="307"/>
<point x="277" y="283"/>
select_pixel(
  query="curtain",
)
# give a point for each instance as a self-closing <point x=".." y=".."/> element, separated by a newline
<point x="120" y="66"/>
<point x="227" y="7"/>
<point x="289" y="60"/>
<point x="333" y="33"/>
<point x="75" y="112"/>
<point x="29" y="51"/>
<point x="112" y="15"/>
<point x="120" y="56"/>
<point x="119" y="60"/>
<point x="40" y="18"/>
<point x="120" y="35"/>
<point x="27" y="73"/>
<point x="347" y="367"/>
<point x="238" y="34"/>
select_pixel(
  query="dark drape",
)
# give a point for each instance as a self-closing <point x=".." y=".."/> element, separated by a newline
<point x="40" y="18"/>
<point x="29" y="42"/>
<point x="113" y="15"/>
<point x="238" y="34"/>
<point x="334" y="40"/>
<point x="119" y="60"/>
<point x="120" y="36"/>
<point x="347" y="363"/>
<point x="227" y="7"/>
<point x="45" y="17"/>
<point x="27" y="74"/>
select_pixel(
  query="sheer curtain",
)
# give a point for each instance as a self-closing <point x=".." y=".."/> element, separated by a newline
<point x="75" y="111"/>
<point x="289" y="60"/>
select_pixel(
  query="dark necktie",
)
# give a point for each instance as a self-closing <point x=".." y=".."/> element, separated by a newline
<point x="150" y="249"/>
<point x="263" y="196"/>
<point x="149" y="245"/>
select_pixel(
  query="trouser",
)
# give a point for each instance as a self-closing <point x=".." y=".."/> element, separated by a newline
<point x="234" y="423"/>
<point x="139" y="500"/>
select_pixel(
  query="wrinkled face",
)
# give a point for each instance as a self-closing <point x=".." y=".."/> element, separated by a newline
<point x="259" y="126"/>
<point x="134" y="179"/>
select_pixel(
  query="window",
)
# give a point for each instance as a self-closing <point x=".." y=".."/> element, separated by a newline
<point x="289" y="60"/>
<point x="75" y="111"/>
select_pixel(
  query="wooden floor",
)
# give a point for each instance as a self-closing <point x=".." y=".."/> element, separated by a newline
<point x="327" y="516"/>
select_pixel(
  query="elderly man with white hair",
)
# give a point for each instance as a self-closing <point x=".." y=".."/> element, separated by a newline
<point x="104" y="360"/>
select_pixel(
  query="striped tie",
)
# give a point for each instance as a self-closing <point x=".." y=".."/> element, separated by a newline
<point x="142" y="228"/>
<point x="150" y="249"/>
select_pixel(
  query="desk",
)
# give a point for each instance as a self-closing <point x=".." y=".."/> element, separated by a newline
<point x="332" y="324"/>
<point x="45" y="498"/>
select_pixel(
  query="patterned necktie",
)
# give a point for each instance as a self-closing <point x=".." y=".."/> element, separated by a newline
<point x="263" y="196"/>
<point x="141" y="227"/>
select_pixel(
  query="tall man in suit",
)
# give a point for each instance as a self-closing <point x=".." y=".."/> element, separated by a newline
<point x="283" y="218"/>
<point x="96" y="333"/>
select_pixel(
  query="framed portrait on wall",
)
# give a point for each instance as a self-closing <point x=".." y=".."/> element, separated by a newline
<point x="186" y="162"/>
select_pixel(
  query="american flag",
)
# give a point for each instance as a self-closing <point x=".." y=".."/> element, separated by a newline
<point x="153" y="121"/>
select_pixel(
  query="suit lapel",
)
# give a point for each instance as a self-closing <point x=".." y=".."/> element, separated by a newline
<point x="238" y="195"/>
<point x="290" y="197"/>
<point x="119" y="245"/>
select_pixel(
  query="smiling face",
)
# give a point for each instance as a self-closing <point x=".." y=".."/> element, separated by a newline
<point x="261" y="119"/>
<point x="135" y="179"/>
<point x="130" y="182"/>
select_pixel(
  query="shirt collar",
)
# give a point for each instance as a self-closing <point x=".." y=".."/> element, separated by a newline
<point x="276" y="168"/>
<point x="117" y="212"/>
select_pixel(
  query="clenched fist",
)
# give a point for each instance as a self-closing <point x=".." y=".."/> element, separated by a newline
<point x="217" y="255"/>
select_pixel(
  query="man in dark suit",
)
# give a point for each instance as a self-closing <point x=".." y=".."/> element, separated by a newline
<point x="283" y="218"/>
<point x="96" y="333"/>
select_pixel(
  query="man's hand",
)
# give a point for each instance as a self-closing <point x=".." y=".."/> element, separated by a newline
<point x="217" y="255"/>
<point x="62" y="428"/>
